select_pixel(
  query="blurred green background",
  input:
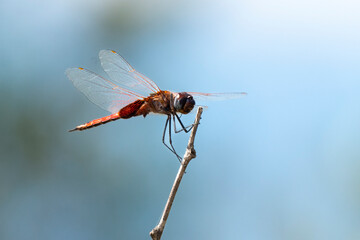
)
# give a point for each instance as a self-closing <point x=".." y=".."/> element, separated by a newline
<point x="282" y="163"/>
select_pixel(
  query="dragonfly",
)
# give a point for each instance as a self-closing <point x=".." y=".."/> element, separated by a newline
<point x="128" y="93"/>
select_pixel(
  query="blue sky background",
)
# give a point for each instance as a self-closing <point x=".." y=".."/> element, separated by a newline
<point x="282" y="163"/>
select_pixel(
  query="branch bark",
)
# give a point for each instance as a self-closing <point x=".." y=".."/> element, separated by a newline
<point x="189" y="154"/>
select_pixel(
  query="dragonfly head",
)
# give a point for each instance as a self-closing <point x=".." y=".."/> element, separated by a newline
<point x="184" y="102"/>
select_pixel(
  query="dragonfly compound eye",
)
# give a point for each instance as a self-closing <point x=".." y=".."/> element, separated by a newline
<point x="184" y="103"/>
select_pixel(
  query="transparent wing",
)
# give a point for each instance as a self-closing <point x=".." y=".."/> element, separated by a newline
<point x="123" y="74"/>
<point x="216" y="96"/>
<point x="102" y="92"/>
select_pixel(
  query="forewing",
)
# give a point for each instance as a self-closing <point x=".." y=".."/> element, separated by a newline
<point x="102" y="92"/>
<point x="216" y="96"/>
<point x="123" y="74"/>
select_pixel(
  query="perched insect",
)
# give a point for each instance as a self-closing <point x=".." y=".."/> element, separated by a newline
<point x="129" y="94"/>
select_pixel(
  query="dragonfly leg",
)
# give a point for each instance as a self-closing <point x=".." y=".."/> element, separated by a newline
<point x="183" y="128"/>
<point x="172" y="149"/>
<point x="170" y="141"/>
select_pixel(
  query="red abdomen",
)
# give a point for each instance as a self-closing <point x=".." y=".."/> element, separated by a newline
<point x="128" y="111"/>
<point x="97" y="122"/>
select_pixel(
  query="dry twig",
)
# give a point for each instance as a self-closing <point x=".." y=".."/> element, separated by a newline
<point x="189" y="154"/>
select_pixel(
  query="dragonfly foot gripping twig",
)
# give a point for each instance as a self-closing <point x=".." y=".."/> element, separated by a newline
<point x="189" y="154"/>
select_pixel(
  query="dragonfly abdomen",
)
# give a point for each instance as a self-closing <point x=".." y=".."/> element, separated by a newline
<point x="134" y="109"/>
<point x="97" y="122"/>
<point x="128" y="111"/>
